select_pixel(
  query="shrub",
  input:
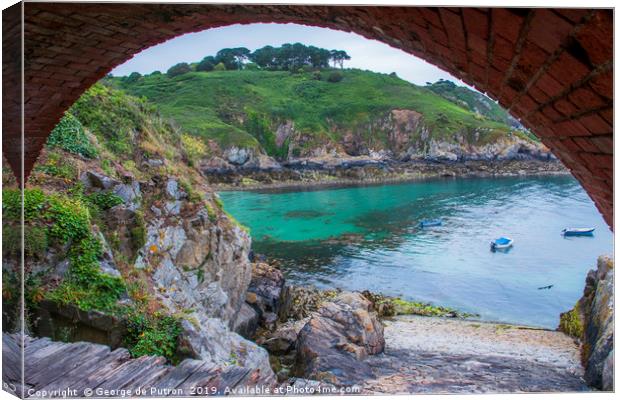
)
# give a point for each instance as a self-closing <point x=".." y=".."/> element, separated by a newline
<point x="194" y="147"/>
<point x="251" y="66"/>
<point x="152" y="335"/>
<point x="57" y="166"/>
<point x="138" y="232"/>
<point x="133" y="77"/>
<point x="104" y="200"/>
<point x="335" y="77"/>
<point x="35" y="241"/>
<point x="207" y="64"/>
<point x="219" y="67"/>
<point x="69" y="135"/>
<point x="178" y="69"/>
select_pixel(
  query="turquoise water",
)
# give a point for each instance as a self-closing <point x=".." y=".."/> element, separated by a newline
<point x="368" y="238"/>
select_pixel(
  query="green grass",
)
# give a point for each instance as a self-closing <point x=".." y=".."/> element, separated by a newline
<point x="244" y="108"/>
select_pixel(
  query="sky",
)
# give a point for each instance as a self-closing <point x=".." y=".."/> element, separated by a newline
<point x="365" y="54"/>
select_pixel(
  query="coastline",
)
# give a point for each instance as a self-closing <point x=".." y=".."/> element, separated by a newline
<point x="373" y="174"/>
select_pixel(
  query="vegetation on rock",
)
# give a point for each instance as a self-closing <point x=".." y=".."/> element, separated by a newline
<point x="245" y="108"/>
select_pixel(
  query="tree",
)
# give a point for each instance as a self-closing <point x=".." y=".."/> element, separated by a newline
<point x="206" y="64"/>
<point x="133" y="77"/>
<point x="338" y="57"/>
<point x="233" y="58"/>
<point x="178" y="69"/>
<point x="265" y="57"/>
<point x="219" y="67"/>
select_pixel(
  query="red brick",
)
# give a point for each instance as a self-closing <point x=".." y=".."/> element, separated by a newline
<point x="454" y="28"/>
<point x="586" y="99"/>
<point x="476" y="22"/>
<point x="570" y="128"/>
<point x="603" y="84"/>
<point x="605" y="144"/>
<point x="538" y="95"/>
<point x="595" y="124"/>
<point x="596" y="37"/>
<point x="574" y="14"/>
<point x="548" y="29"/>
<point x="503" y="48"/>
<point x="602" y="161"/>
<point x="551" y="113"/>
<point x="439" y="35"/>
<point x="565" y="107"/>
<point x="568" y="69"/>
<point x="549" y="85"/>
<point x="531" y="60"/>
<point x="506" y="24"/>
<point x="586" y="144"/>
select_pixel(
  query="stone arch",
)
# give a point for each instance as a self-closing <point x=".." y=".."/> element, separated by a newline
<point x="551" y="68"/>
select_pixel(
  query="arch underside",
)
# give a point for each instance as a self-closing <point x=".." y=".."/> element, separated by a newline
<point x="551" y="68"/>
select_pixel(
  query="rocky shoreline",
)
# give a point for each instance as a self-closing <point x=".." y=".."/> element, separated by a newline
<point x="369" y="172"/>
<point x="334" y="341"/>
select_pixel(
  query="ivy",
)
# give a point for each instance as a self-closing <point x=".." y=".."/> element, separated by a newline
<point x="69" y="135"/>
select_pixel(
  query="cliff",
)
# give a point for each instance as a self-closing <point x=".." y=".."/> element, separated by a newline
<point x="267" y="119"/>
<point x="126" y="245"/>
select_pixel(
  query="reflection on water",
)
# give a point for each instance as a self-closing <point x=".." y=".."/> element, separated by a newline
<point x="369" y="238"/>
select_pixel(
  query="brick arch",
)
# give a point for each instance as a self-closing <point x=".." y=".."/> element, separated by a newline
<point x="551" y="68"/>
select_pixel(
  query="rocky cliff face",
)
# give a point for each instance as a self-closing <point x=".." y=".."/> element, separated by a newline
<point x="592" y="322"/>
<point x="399" y="136"/>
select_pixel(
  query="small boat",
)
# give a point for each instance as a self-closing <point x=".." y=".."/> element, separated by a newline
<point x="430" y="222"/>
<point x="501" y="243"/>
<point x="578" y="231"/>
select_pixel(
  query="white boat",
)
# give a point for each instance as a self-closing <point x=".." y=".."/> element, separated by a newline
<point x="578" y="231"/>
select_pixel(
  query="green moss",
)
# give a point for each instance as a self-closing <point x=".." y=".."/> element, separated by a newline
<point x="211" y="213"/>
<point x="138" y="232"/>
<point x="571" y="322"/>
<point x="390" y="306"/>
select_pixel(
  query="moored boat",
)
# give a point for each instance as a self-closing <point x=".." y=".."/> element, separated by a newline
<point x="578" y="231"/>
<point x="430" y="222"/>
<point x="501" y="243"/>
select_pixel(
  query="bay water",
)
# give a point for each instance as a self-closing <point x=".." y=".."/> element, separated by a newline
<point x="368" y="237"/>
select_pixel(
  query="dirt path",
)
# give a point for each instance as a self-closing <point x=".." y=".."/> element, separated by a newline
<point x="436" y="355"/>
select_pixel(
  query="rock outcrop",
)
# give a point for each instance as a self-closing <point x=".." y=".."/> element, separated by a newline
<point x="592" y="322"/>
<point x="333" y="344"/>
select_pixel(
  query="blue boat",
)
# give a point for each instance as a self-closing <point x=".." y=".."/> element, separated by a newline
<point x="501" y="243"/>
<point x="578" y="231"/>
<point x="427" y="223"/>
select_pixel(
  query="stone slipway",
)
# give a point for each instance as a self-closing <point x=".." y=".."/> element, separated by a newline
<point x="437" y="355"/>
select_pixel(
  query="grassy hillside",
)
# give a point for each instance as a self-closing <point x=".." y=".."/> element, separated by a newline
<point x="244" y="107"/>
<point x="473" y="101"/>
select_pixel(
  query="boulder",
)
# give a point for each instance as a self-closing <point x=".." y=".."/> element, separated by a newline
<point x="211" y="340"/>
<point x="130" y="193"/>
<point x="247" y="321"/>
<point x="266" y="284"/>
<point x="173" y="191"/>
<point x="298" y="302"/>
<point x="333" y="344"/>
<point x="591" y="321"/>
<point x="237" y="156"/>
<point x="284" y="339"/>
<point x="92" y="179"/>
